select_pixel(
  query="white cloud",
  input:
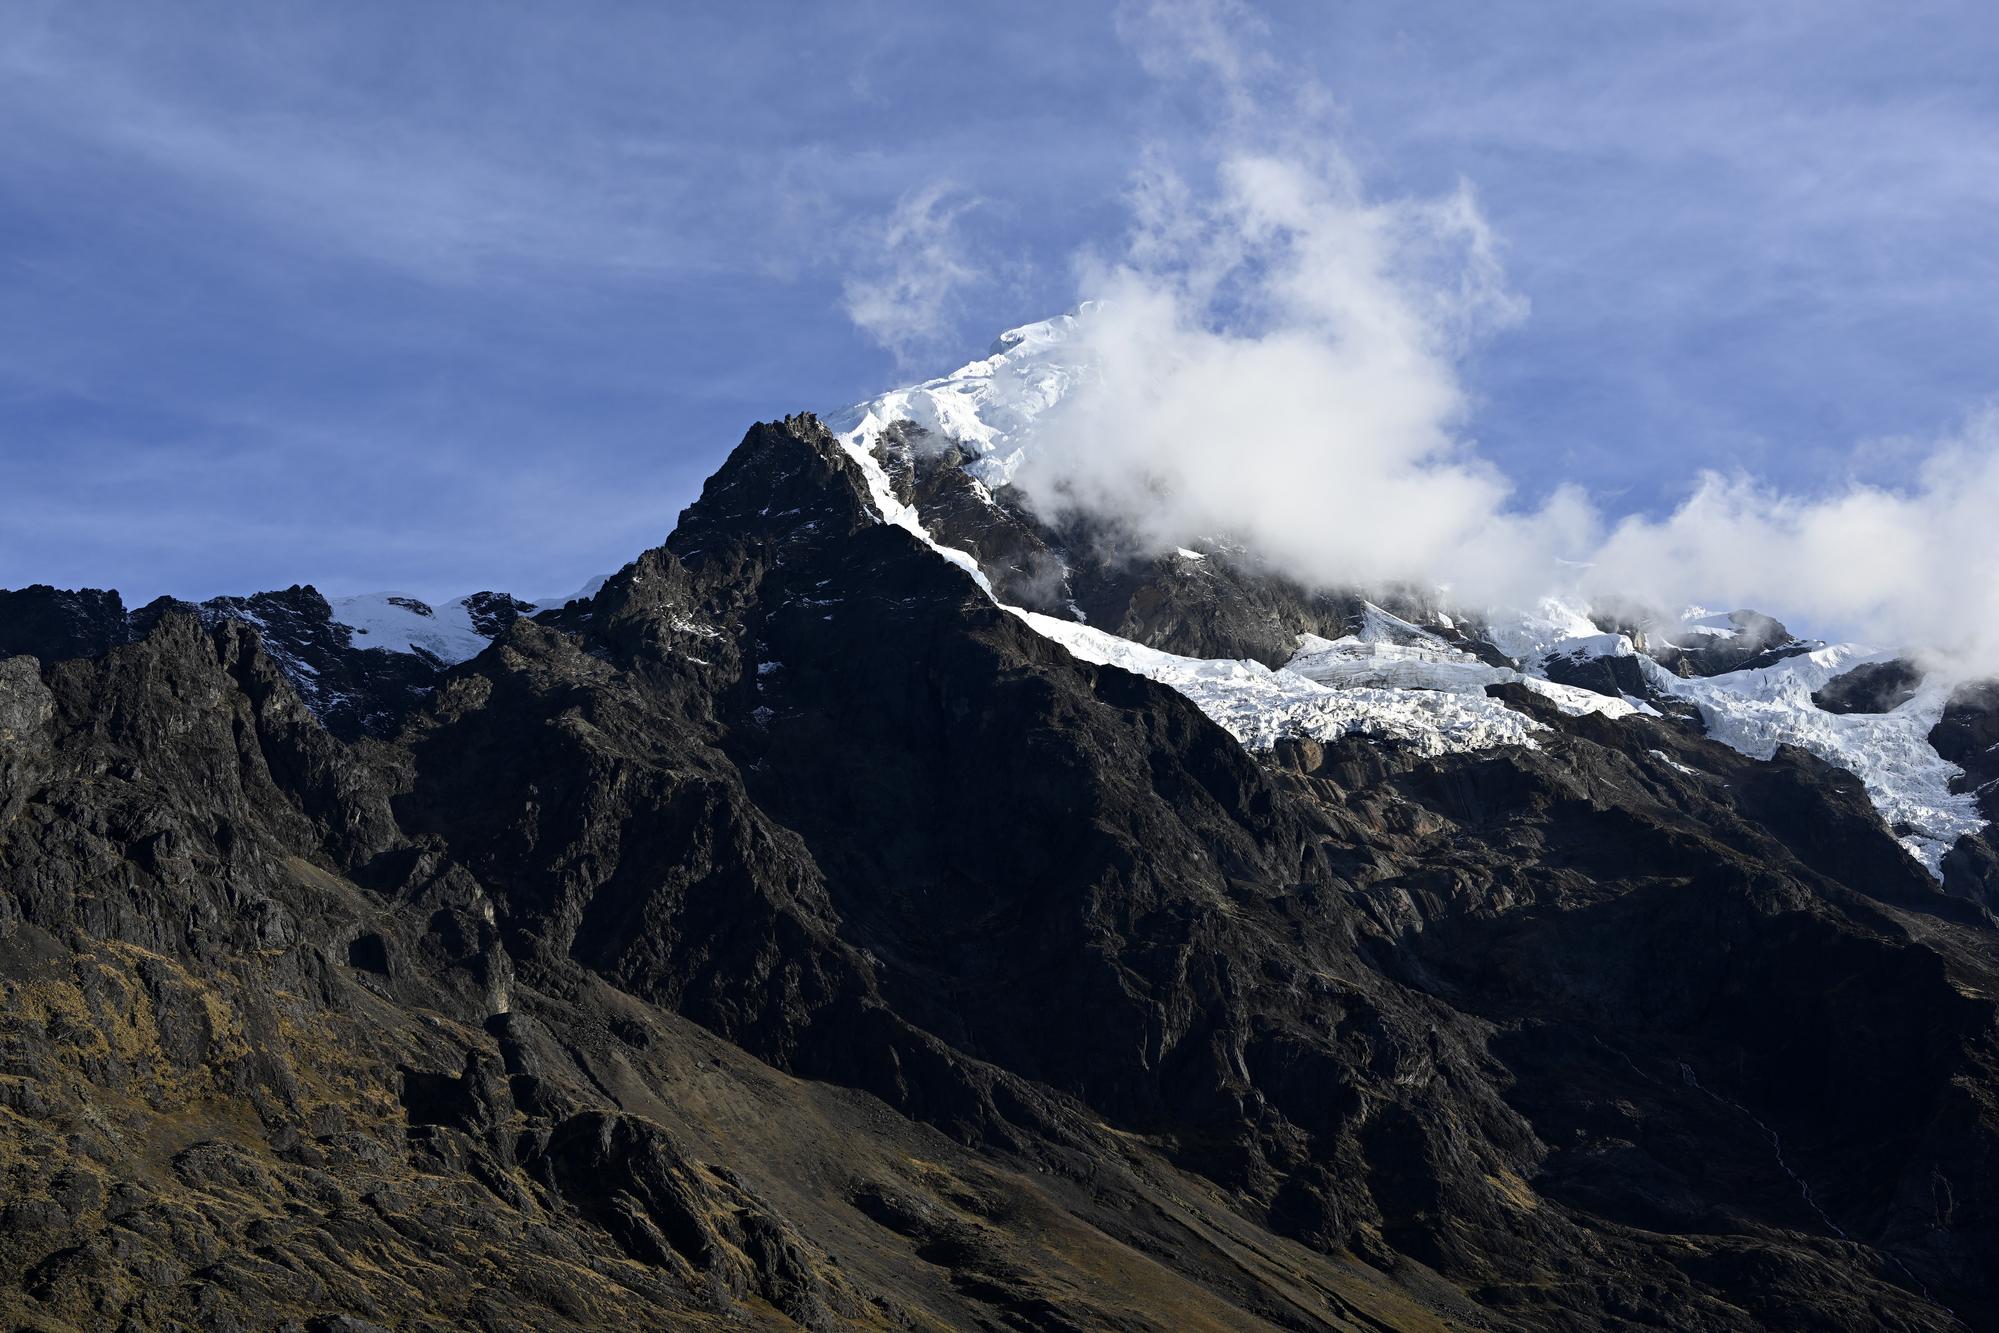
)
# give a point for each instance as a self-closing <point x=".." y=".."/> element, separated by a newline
<point x="1216" y="40"/>
<point x="1276" y="357"/>
<point x="906" y="286"/>
<point x="1273" y="359"/>
<point x="1914" y="565"/>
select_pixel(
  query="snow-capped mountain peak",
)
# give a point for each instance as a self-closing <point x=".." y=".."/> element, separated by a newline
<point x="1739" y="675"/>
<point x="988" y="406"/>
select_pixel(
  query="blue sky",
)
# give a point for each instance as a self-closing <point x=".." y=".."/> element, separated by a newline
<point x="450" y="296"/>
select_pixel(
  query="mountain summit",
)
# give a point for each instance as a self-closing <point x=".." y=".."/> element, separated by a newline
<point x="879" y="906"/>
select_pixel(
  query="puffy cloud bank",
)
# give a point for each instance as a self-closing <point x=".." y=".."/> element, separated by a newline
<point x="1276" y="357"/>
<point x="1916" y="566"/>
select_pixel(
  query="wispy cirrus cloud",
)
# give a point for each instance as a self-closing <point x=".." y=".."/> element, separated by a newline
<point x="434" y="187"/>
<point x="912" y="268"/>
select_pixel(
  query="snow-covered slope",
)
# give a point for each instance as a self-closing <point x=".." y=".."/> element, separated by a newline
<point x="988" y="405"/>
<point x="1350" y="662"/>
<point x="401" y="624"/>
<point x="1400" y="681"/>
<point x="1757" y="710"/>
<point x="1526" y="634"/>
<point x="1259" y="706"/>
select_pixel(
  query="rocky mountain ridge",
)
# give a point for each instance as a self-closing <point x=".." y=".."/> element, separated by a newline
<point x="360" y="666"/>
<point x="1740" y="676"/>
<point x="791" y="934"/>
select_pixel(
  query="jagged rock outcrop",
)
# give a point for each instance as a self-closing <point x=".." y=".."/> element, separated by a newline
<point x="1968" y="735"/>
<point x="354" y="686"/>
<point x="1614" y="674"/>
<point x="789" y="936"/>
<point x="1744" y="640"/>
<point x="1219" y="602"/>
<point x="1871" y="687"/>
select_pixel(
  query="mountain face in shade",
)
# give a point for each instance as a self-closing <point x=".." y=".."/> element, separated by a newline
<point x="359" y="664"/>
<point x="876" y="907"/>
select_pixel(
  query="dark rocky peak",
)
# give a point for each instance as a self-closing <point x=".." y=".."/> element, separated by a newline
<point x="1612" y="673"/>
<point x="354" y="685"/>
<point x="786" y="493"/>
<point x="354" y="688"/>
<point x="56" y="624"/>
<point x="1739" y="641"/>
<point x="298" y="617"/>
<point x="786" y="481"/>
<point x="493" y="612"/>
<point x="1872" y="687"/>
<point x="53" y="623"/>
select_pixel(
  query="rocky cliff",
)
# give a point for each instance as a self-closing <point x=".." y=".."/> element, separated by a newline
<point x="789" y="935"/>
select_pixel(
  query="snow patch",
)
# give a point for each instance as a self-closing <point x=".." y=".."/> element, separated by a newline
<point x="1525" y="634"/>
<point x="987" y="405"/>
<point x="588" y="590"/>
<point x="1259" y="706"/>
<point x="1591" y="645"/>
<point x="1756" y="711"/>
<point x="404" y="624"/>
<point x="1430" y="663"/>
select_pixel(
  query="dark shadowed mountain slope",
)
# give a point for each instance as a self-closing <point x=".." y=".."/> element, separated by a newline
<point x="790" y="936"/>
<point x="354" y="683"/>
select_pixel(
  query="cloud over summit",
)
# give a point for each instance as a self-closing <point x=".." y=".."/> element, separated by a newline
<point x="1277" y="354"/>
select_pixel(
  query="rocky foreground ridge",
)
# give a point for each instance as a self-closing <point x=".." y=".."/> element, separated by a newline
<point x="790" y="935"/>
